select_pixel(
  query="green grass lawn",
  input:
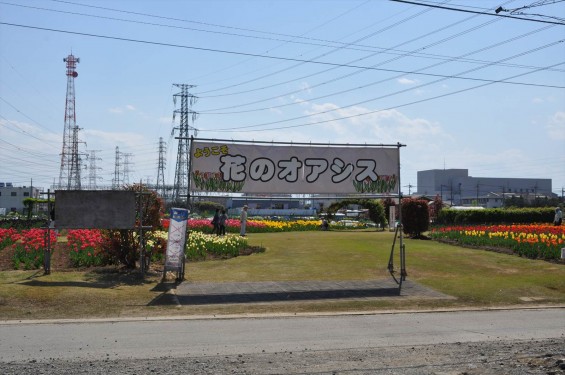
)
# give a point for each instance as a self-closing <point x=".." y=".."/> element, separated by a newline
<point x="476" y="278"/>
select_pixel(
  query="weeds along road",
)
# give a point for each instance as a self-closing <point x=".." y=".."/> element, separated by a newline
<point x="528" y="341"/>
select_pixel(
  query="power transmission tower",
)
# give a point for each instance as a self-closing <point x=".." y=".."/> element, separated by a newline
<point x="92" y="170"/>
<point x="160" y="186"/>
<point x="180" y="189"/>
<point x="69" y="174"/>
<point x="116" y="182"/>
<point x="126" y="169"/>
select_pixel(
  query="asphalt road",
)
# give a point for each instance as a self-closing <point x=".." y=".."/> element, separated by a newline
<point x="43" y="341"/>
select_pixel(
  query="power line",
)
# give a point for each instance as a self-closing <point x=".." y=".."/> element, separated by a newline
<point x="324" y="55"/>
<point x="223" y="51"/>
<point x="315" y="41"/>
<point x="419" y="71"/>
<point x="214" y="111"/>
<point x="239" y="129"/>
<point x="475" y="12"/>
<point x="203" y="49"/>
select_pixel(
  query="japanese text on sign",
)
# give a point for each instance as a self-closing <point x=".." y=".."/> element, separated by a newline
<point x="293" y="169"/>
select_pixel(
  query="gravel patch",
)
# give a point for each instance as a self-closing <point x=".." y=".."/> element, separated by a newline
<point x="502" y="357"/>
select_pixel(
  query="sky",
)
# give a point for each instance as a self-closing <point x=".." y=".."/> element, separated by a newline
<point x="460" y="85"/>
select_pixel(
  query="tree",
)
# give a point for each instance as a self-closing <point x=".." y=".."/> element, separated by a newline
<point x="436" y="208"/>
<point x="30" y="204"/>
<point x="415" y="217"/>
<point x="206" y="206"/>
<point x="121" y="245"/>
<point x="375" y="207"/>
<point x="388" y="203"/>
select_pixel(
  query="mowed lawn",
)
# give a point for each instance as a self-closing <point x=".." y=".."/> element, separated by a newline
<point x="476" y="278"/>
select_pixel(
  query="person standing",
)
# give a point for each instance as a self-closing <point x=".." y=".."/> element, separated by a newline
<point x="216" y="222"/>
<point x="223" y="219"/>
<point x="243" y="220"/>
<point x="558" y="216"/>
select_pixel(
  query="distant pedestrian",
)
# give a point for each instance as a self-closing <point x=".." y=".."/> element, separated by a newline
<point x="223" y="219"/>
<point x="558" y="216"/>
<point x="243" y="219"/>
<point x="216" y="222"/>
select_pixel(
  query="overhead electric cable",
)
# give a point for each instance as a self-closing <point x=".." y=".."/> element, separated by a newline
<point x="26" y="116"/>
<point x="395" y="77"/>
<point x="470" y="11"/>
<point x="333" y="68"/>
<point x="239" y="129"/>
<point x="204" y="49"/>
<point x="282" y="44"/>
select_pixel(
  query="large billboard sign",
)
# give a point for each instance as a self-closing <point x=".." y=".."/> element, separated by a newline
<point x="99" y="209"/>
<point x="226" y="166"/>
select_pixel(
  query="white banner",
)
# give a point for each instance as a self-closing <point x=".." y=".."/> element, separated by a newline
<point x="300" y="169"/>
<point x="177" y="239"/>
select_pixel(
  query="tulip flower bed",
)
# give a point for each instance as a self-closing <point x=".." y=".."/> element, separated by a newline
<point x="85" y="247"/>
<point x="253" y="226"/>
<point x="532" y="241"/>
<point x="156" y="244"/>
<point x="30" y="247"/>
<point x="8" y="237"/>
<point x="86" y="250"/>
<point x="200" y="245"/>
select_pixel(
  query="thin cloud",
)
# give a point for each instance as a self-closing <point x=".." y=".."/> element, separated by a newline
<point x="556" y="126"/>
<point x="406" y="81"/>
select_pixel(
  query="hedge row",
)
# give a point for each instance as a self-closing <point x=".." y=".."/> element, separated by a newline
<point x="496" y="216"/>
<point x="20" y="223"/>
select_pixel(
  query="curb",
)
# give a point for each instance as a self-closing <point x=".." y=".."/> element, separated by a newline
<point x="269" y="315"/>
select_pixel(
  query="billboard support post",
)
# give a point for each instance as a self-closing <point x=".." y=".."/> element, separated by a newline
<point x="340" y="170"/>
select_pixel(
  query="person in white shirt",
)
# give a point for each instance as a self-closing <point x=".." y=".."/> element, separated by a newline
<point x="558" y="216"/>
<point x="243" y="219"/>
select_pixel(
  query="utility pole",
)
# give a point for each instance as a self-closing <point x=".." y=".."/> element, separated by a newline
<point x="180" y="189"/>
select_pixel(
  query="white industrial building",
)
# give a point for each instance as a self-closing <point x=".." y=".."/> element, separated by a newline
<point x="12" y="197"/>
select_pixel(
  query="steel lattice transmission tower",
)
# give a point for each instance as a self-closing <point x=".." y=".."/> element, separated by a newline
<point x="126" y="169"/>
<point x="160" y="187"/>
<point x="116" y="182"/>
<point x="180" y="189"/>
<point x="69" y="174"/>
<point x="92" y="170"/>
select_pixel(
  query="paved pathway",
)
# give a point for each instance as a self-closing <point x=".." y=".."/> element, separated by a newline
<point x="194" y="293"/>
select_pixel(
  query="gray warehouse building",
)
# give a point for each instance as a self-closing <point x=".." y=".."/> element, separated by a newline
<point x="456" y="187"/>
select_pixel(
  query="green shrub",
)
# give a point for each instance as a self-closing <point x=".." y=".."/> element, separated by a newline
<point x="415" y="216"/>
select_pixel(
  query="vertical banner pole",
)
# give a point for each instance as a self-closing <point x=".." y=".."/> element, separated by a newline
<point x="140" y="228"/>
<point x="47" y="250"/>
<point x="174" y="257"/>
<point x="401" y="243"/>
<point x="189" y="199"/>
